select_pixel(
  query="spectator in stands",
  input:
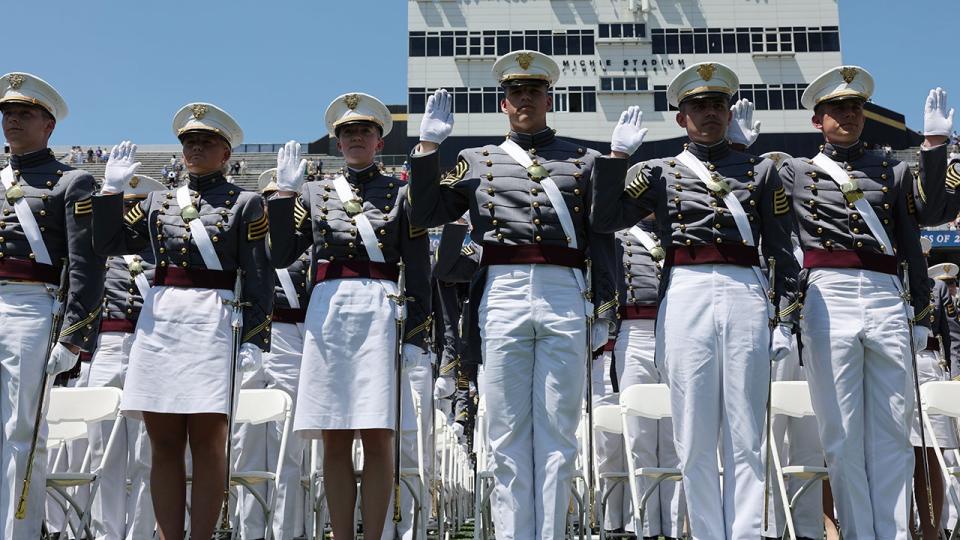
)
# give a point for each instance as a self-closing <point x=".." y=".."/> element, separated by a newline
<point x="235" y="168"/>
<point x="173" y="159"/>
<point x="311" y="167"/>
<point x="99" y="154"/>
<point x="243" y="166"/>
<point x="319" y="167"/>
<point x="89" y="155"/>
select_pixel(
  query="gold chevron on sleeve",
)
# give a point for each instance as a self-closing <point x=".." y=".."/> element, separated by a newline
<point x="134" y="215"/>
<point x="781" y="205"/>
<point x="638" y="186"/>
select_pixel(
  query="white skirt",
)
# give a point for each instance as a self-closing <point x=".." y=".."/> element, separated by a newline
<point x="944" y="428"/>
<point x="348" y="374"/>
<point x="180" y="359"/>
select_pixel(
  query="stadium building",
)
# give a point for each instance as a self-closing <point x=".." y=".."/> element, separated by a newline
<point x="616" y="53"/>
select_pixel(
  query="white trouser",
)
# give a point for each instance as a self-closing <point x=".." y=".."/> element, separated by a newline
<point x="118" y="513"/>
<point x="533" y="328"/>
<point x="652" y="443"/>
<point x="418" y="376"/>
<point x="257" y="447"/>
<point x="714" y="342"/>
<point x="799" y="445"/>
<point x="25" y="317"/>
<point x="855" y="333"/>
<point x="68" y="458"/>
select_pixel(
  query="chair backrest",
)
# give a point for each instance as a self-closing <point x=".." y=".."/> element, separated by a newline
<point x="646" y="400"/>
<point x="65" y="431"/>
<point x="256" y="406"/>
<point x="87" y="405"/>
<point x="606" y="419"/>
<point x="791" y="398"/>
<point x="941" y="397"/>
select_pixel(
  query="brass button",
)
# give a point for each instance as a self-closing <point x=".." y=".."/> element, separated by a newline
<point x="886" y="206"/>
<point x="536" y="204"/>
<point x="719" y="240"/>
<point x="716" y="225"/>
<point x="859" y="244"/>
<point x="576" y="209"/>
<point x="494" y="222"/>
<point x="753" y="202"/>
<point x="534" y="192"/>
<point x="689" y="242"/>
<point x="712" y="167"/>
<point x="499" y="236"/>
<point x="856" y="230"/>
<point x="489" y="163"/>
<point x="163" y="250"/>
<point x="184" y="264"/>
<point x="215" y="238"/>
<point x="679" y="216"/>
<point x="819" y="230"/>
<point x="750" y="174"/>
<point x="183" y="250"/>
<point x="538" y="238"/>
<point x="576" y="191"/>
<point x="350" y="244"/>
<point x="536" y="221"/>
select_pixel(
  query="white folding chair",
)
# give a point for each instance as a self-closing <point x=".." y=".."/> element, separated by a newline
<point x="792" y="398"/>
<point x="646" y="401"/>
<point x="606" y="419"/>
<point x="483" y="488"/>
<point x="259" y="406"/>
<point x="943" y="397"/>
<point x="70" y="414"/>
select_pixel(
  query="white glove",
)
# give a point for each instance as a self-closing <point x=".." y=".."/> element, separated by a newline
<point x="290" y="168"/>
<point x="781" y="343"/>
<point x="920" y="336"/>
<point x="742" y="129"/>
<point x="437" y="122"/>
<point x="628" y="135"/>
<point x="61" y="359"/>
<point x="251" y="358"/>
<point x="936" y="119"/>
<point x="601" y="334"/>
<point x="443" y="388"/>
<point x="457" y="429"/>
<point x="121" y="166"/>
<point x="413" y="355"/>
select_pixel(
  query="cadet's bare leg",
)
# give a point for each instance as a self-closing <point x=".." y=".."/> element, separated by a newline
<point x="168" y="476"/>
<point x="377" y="479"/>
<point x="338" y="479"/>
<point x="208" y="440"/>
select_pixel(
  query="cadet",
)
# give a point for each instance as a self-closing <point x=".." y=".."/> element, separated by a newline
<point x="713" y="207"/>
<point x="45" y="226"/>
<point x="356" y="225"/>
<point x="856" y="217"/>
<point x="652" y="445"/>
<point x="528" y="199"/>
<point x="117" y="512"/>
<point x="935" y="186"/>
<point x="257" y="447"/>
<point x="933" y="364"/>
<point x="205" y="236"/>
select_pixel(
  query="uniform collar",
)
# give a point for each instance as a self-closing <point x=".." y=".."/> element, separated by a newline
<point x="843" y="153"/>
<point x="31" y="160"/>
<point x="528" y="140"/>
<point x="206" y="182"/>
<point x="714" y="152"/>
<point x="363" y="175"/>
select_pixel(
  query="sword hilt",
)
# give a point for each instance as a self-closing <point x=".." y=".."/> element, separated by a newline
<point x="22" y="502"/>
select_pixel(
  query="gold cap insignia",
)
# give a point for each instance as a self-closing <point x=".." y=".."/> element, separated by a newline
<point x="199" y="111"/>
<point x="134" y="181"/>
<point x="848" y="74"/>
<point x="524" y="59"/>
<point x="16" y="81"/>
<point x="706" y="71"/>
<point x="352" y="100"/>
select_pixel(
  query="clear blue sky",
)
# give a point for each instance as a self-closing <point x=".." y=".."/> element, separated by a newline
<point x="126" y="67"/>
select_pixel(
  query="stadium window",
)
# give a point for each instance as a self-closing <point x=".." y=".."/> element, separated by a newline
<point x="773" y="40"/>
<point x="790" y="97"/>
<point x="516" y="41"/>
<point x="586" y="43"/>
<point x="800" y="39"/>
<point x="775" y="97"/>
<point x="490" y="102"/>
<point x="760" y="100"/>
<point x="546" y="42"/>
<point x="616" y="30"/>
<point x="476" y="100"/>
<point x="618" y="84"/>
<point x="460" y="102"/>
<point x="640" y="30"/>
<point x="714" y="41"/>
<point x="743" y="41"/>
<point x="603" y="31"/>
<point x="659" y="42"/>
<point x="417" y="101"/>
<point x="446" y="45"/>
<point x="642" y="83"/>
<point x="606" y="84"/>
<point x="560" y="44"/>
<point x="433" y="44"/>
<point x="630" y="84"/>
<point x="673" y="41"/>
<point x="530" y="40"/>
<point x="746" y="92"/>
<point x="418" y="44"/>
<point x="475" y="47"/>
<point x="700" y="41"/>
<point x="729" y="40"/>
<point x="503" y="42"/>
<point x="628" y="30"/>
<point x="757" y="42"/>
<point x="489" y="44"/>
<point x="686" y="41"/>
<point x="786" y="40"/>
<point x="573" y="42"/>
<point x="589" y="99"/>
<point x="460" y="43"/>
<point x="559" y="102"/>
<point x="814" y="41"/>
<point x="831" y="38"/>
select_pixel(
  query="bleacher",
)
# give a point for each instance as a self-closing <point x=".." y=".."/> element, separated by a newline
<point x="153" y="163"/>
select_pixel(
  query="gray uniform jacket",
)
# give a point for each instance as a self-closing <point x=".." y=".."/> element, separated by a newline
<point x="317" y="220"/>
<point x="59" y="197"/>
<point x="509" y="208"/>
<point x="688" y="215"/>
<point x="233" y="218"/>
<point x="122" y="300"/>
<point x="943" y="311"/>
<point x="827" y="222"/>
<point x="937" y="200"/>
<point x="640" y="285"/>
